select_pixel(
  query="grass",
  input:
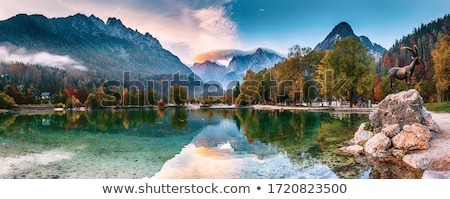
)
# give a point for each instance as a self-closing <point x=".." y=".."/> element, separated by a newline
<point x="438" y="107"/>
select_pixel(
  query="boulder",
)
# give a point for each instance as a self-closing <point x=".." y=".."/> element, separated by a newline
<point x="410" y="139"/>
<point x="353" y="149"/>
<point x="424" y="130"/>
<point x="376" y="119"/>
<point x="403" y="108"/>
<point x="362" y="126"/>
<point x="428" y="174"/>
<point x="393" y="101"/>
<point x="391" y="130"/>
<point x="402" y="124"/>
<point x="437" y="161"/>
<point x="429" y="122"/>
<point x="361" y="136"/>
<point x="399" y="153"/>
<point x="377" y="143"/>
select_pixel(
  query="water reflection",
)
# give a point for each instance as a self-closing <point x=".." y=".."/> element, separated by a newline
<point x="180" y="143"/>
<point x="269" y="144"/>
<point x="179" y="119"/>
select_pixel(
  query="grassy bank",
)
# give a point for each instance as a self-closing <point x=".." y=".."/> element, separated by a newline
<point x="438" y="107"/>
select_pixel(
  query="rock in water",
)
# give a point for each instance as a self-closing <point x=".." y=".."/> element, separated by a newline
<point x="361" y="136"/>
<point x="353" y="149"/>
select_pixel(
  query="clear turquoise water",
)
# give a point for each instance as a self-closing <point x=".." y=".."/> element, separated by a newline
<point x="177" y="143"/>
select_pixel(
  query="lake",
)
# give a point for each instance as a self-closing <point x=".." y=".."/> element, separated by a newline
<point x="178" y="143"/>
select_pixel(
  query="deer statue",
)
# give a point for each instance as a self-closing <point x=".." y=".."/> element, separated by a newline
<point x="405" y="72"/>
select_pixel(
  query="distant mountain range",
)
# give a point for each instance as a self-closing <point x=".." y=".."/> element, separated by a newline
<point x="107" y="49"/>
<point x="266" y="58"/>
<point x="238" y="66"/>
<point x="344" y="30"/>
<point x="210" y="71"/>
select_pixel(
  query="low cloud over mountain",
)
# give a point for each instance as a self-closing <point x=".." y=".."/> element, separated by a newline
<point x="227" y="54"/>
<point x="11" y="54"/>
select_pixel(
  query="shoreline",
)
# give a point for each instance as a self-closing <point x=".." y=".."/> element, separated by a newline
<point x="47" y="108"/>
<point x="440" y="147"/>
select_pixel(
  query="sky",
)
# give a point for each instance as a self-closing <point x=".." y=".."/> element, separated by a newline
<point x="188" y="28"/>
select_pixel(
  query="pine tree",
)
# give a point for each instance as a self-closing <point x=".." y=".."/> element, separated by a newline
<point x="236" y="91"/>
<point x="178" y="94"/>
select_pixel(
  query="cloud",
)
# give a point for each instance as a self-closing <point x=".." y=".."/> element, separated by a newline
<point x="217" y="55"/>
<point x="186" y="28"/>
<point x="227" y="54"/>
<point x="11" y="54"/>
<point x="214" y="20"/>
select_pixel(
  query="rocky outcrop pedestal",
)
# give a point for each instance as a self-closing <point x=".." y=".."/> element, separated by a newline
<point x="399" y="126"/>
<point x="403" y="118"/>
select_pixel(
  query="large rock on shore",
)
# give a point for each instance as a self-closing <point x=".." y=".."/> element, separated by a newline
<point x="437" y="157"/>
<point x="404" y="108"/>
<point x="413" y="137"/>
<point x="401" y="123"/>
<point x="404" y="134"/>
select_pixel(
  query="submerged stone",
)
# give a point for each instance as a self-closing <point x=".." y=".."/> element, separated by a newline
<point x="353" y="149"/>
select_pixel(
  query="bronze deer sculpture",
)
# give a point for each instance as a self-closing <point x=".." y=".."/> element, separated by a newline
<point x="405" y="72"/>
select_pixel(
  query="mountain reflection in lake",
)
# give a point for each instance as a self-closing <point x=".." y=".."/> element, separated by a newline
<point x="177" y="143"/>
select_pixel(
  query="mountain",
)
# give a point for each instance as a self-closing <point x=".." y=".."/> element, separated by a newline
<point x="257" y="61"/>
<point x="107" y="49"/>
<point x="344" y="30"/>
<point x="209" y="71"/>
<point x="262" y="58"/>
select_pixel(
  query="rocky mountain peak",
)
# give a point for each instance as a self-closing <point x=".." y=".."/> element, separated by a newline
<point x="110" y="47"/>
<point x="98" y="22"/>
<point x="112" y="21"/>
<point x="344" y="30"/>
<point x="209" y="71"/>
<point x="259" y="51"/>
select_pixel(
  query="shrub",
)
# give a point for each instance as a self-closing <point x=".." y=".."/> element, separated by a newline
<point x="241" y="100"/>
<point x="6" y="101"/>
<point x="368" y="126"/>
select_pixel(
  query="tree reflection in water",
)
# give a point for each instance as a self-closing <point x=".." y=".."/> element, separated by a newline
<point x="306" y="138"/>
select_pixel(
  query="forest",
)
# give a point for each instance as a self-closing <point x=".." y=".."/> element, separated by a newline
<point x="345" y="72"/>
<point x="431" y="75"/>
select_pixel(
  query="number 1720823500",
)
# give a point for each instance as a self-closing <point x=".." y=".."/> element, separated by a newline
<point x="307" y="188"/>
